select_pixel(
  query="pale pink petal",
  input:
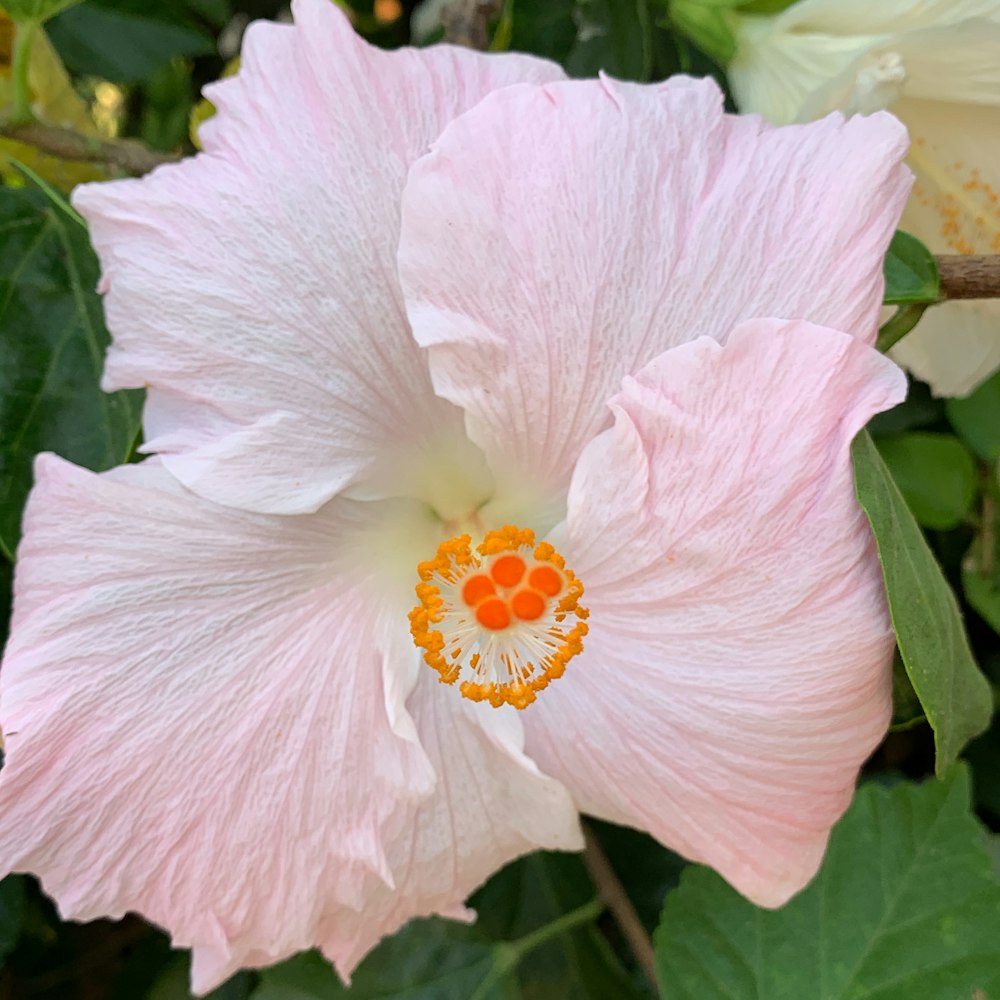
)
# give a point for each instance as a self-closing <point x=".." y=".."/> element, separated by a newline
<point x="201" y="717"/>
<point x="559" y="237"/>
<point x="491" y="804"/>
<point x="254" y="287"/>
<point x="737" y="670"/>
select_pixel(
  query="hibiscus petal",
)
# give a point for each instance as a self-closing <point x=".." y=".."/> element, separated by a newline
<point x="859" y="17"/>
<point x="559" y="237"/>
<point x="955" y="207"/>
<point x="254" y="287"/>
<point x="737" y="670"/>
<point x="805" y="61"/>
<point x="954" y="348"/>
<point x="200" y="713"/>
<point x="954" y="63"/>
<point x="490" y="806"/>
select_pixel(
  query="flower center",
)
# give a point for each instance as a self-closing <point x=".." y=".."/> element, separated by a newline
<point x="505" y="615"/>
<point x="967" y="203"/>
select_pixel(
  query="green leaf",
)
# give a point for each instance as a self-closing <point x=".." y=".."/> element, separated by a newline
<point x="935" y="474"/>
<point x="218" y="13"/>
<point x="977" y="419"/>
<point x="614" y="36"/>
<point x="11" y="913"/>
<point x="765" y="6"/>
<point x="52" y="342"/>
<point x="993" y="849"/>
<point x="709" y="24"/>
<point x="929" y="630"/>
<point x="906" y="905"/>
<point x="911" y="274"/>
<point x="124" y="42"/>
<point x="37" y="11"/>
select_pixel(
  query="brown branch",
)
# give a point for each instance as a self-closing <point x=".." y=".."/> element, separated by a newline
<point x="127" y="155"/>
<point x="969" y="276"/>
<point x="467" y="22"/>
<point x="613" y="895"/>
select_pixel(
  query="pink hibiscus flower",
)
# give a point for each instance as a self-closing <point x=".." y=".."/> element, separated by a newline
<point x="218" y="699"/>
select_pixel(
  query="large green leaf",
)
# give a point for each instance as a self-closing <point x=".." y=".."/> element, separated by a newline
<point x="764" y="6"/>
<point x="929" y="631"/>
<point x="35" y="10"/>
<point x="906" y="906"/>
<point x="977" y="419"/>
<point x="911" y="274"/>
<point x="935" y="474"/>
<point x="124" y="40"/>
<point x="708" y="23"/>
<point x="52" y="341"/>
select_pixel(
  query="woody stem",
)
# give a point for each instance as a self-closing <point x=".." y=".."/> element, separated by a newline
<point x="969" y="276"/>
<point x="612" y="894"/>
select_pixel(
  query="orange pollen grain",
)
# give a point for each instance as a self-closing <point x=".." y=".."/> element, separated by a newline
<point x="477" y="588"/>
<point x="528" y="605"/>
<point x="493" y="614"/>
<point x="546" y="579"/>
<point x="508" y="570"/>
